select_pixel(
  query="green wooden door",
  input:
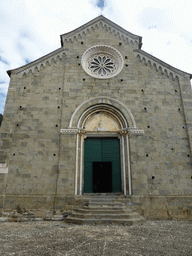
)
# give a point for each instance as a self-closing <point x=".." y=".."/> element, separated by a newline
<point x="102" y="150"/>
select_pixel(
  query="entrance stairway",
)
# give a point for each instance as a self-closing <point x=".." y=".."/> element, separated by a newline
<point x="105" y="209"/>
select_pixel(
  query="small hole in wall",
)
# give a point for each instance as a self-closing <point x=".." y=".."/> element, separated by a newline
<point x="56" y="125"/>
<point x="188" y="155"/>
<point x="183" y="127"/>
<point x="142" y="90"/>
<point x="17" y="124"/>
<point x="148" y="126"/>
<point x="83" y="79"/>
<point x="126" y="57"/>
<point x="121" y="80"/>
<point x="153" y="177"/>
<point x="126" y="65"/>
<point x="172" y="149"/>
<point x="59" y="88"/>
<point x="54" y="154"/>
<point x="79" y="64"/>
<point x="120" y="43"/>
<point x="82" y="42"/>
<point x="145" y="109"/>
<point x="20" y="107"/>
<point x="14" y="154"/>
<point x="58" y="107"/>
<point x="179" y="109"/>
<point x="24" y="87"/>
<point x="147" y="155"/>
<point x="77" y="57"/>
<point x="191" y="177"/>
<point x="175" y="90"/>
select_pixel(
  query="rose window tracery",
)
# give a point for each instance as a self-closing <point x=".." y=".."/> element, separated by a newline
<point x="102" y="61"/>
<point x="102" y="65"/>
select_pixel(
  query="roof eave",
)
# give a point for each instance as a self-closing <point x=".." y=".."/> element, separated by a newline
<point x="37" y="61"/>
<point x="101" y="17"/>
<point x="176" y="70"/>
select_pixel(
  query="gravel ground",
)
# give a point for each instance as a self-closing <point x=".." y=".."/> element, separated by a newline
<point x="56" y="238"/>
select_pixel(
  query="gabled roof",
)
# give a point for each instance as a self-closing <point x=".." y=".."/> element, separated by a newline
<point x="105" y="23"/>
<point x="108" y="25"/>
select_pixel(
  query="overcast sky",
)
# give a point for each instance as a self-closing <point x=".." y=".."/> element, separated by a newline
<point x="30" y="29"/>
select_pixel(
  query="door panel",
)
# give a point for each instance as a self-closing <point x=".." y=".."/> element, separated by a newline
<point x="102" y="150"/>
<point x="92" y="152"/>
<point x="111" y="152"/>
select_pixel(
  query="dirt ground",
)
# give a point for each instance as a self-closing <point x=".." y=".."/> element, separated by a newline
<point x="56" y="238"/>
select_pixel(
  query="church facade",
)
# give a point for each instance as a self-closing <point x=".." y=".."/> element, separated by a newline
<point x="98" y="115"/>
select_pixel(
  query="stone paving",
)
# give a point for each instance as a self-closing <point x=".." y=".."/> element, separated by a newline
<point x="56" y="238"/>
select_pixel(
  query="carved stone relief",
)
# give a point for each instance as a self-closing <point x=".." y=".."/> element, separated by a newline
<point x="101" y="121"/>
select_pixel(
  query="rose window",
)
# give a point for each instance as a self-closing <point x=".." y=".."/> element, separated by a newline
<point x="102" y="61"/>
<point x="102" y="65"/>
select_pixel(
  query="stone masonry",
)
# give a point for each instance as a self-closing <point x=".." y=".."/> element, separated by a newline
<point x="40" y="169"/>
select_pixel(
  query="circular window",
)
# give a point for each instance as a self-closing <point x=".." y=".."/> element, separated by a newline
<point x="102" y="61"/>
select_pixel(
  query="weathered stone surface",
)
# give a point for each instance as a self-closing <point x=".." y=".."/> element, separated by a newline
<point x="45" y="167"/>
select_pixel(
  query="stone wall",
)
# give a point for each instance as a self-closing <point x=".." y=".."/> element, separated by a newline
<point x="41" y="161"/>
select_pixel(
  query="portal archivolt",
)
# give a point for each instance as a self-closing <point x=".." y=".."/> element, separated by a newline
<point x="106" y="118"/>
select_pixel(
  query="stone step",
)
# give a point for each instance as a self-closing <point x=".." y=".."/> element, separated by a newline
<point x="102" y="195"/>
<point x="107" y="201"/>
<point x="107" y="198"/>
<point x="106" y="206"/>
<point x="102" y="204"/>
<point x="102" y="210"/>
<point x="105" y="215"/>
<point x="124" y="222"/>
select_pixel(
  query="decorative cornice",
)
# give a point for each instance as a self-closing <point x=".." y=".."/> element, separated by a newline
<point x="39" y="63"/>
<point x="72" y="131"/>
<point x="131" y="130"/>
<point x="159" y="65"/>
<point x="107" y="25"/>
<point x="69" y="131"/>
<point x="122" y="132"/>
<point x="136" y="132"/>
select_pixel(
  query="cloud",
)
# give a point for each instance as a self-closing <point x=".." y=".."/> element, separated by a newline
<point x="30" y="29"/>
<point x="155" y="18"/>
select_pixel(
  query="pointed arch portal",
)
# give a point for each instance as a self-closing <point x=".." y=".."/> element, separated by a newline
<point x="102" y="126"/>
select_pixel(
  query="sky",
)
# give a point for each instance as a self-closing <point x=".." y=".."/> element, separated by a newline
<point x="30" y="29"/>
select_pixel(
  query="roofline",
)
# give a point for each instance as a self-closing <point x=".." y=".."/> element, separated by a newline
<point x="37" y="61"/>
<point x="101" y="17"/>
<point x="176" y="70"/>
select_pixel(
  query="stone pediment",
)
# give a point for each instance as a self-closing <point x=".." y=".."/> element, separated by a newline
<point x="90" y="27"/>
<point x="107" y="25"/>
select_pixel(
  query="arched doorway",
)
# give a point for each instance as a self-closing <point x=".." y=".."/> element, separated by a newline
<point x="106" y="123"/>
<point x="102" y="165"/>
